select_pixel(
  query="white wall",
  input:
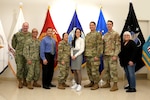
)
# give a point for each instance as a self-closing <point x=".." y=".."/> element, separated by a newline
<point x="62" y="12"/>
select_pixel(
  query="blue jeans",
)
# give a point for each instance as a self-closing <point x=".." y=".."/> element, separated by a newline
<point x="130" y="74"/>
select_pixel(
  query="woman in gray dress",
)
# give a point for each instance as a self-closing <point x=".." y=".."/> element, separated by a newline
<point x="77" y="49"/>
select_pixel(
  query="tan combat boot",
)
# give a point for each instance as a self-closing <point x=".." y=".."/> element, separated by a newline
<point x="35" y="84"/>
<point x="114" y="87"/>
<point x="89" y="85"/>
<point x="60" y="86"/>
<point x="65" y="85"/>
<point x="20" y="85"/>
<point x="29" y="85"/>
<point x="94" y="87"/>
<point x="107" y="85"/>
<point x="24" y="82"/>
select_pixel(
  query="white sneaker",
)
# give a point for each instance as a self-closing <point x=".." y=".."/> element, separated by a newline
<point x="73" y="81"/>
<point x="74" y="86"/>
<point x="79" y="87"/>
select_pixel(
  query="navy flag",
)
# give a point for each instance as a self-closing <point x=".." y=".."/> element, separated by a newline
<point x="133" y="27"/>
<point x="75" y="23"/>
<point x="146" y="53"/>
<point x="102" y="28"/>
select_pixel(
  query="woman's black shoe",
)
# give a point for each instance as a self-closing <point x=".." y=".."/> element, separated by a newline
<point x="131" y="90"/>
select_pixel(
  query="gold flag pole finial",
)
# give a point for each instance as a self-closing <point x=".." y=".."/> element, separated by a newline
<point x="101" y="7"/>
<point x="48" y="6"/>
<point x="20" y="4"/>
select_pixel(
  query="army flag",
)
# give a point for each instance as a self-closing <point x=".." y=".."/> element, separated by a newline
<point x="3" y="50"/>
<point x="102" y="29"/>
<point x="146" y="53"/>
<point x="133" y="27"/>
<point x="75" y="23"/>
<point x="49" y="23"/>
<point x="17" y="28"/>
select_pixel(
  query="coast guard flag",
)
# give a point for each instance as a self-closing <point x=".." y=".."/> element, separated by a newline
<point x="75" y="23"/>
<point x="146" y="53"/>
<point x="133" y="27"/>
<point x="17" y="28"/>
<point x="3" y="50"/>
<point x="49" y="23"/>
<point x="102" y="29"/>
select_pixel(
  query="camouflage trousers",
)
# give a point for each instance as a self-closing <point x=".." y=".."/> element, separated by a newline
<point x="21" y="66"/>
<point x="33" y="71"/>
<point x="93" y="69"/>
<point x="110" y="69"/>
<point x="64" y="71"/>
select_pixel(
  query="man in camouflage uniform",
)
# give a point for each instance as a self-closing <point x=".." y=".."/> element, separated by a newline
<point x="63" y="61"/>
<point x="18" y="42"/>
<point x="31" y="52"/>
<point x="93" y="50"/>
<point x="111" y="43"/>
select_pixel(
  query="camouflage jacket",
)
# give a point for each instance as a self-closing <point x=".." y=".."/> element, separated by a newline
<point x="93" y="44"/>
<point x="111" y="43"/>
<point x="63" y="51"/>
<point x="19" y="40"/>
<point x="31" y="50"/>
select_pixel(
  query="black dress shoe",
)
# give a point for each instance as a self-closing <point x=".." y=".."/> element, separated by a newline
<point x="127" y="87"/>
<point x="51" y="85"/>
<point x="46" y="87"/>
<point x="131" y="90"/>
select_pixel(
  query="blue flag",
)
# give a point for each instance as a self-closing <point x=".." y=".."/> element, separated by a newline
<point x="146" y="53"/>
<point x="102" y="28"/>
<point x="75" y="23"/>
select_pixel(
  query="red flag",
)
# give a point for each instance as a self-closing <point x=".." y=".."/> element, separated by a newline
<point x="49" y="23"/>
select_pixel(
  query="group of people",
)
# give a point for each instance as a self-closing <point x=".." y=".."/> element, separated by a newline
<point x="29" y="52"/>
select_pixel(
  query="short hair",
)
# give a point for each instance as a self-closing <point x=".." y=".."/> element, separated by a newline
<point x="127" y="33"/>
<point x="110" y="21"/>
<point x="93" y="22"/>
<point x="48" y="28"/>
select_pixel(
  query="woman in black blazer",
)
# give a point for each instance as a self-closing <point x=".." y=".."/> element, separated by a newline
<point x="128" y="60"/>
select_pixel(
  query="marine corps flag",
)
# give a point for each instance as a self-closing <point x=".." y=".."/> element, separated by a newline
<point x="133" y="27"/>
<point x="49" y="23"/>
<point x="102" y="29"/>
<point x="146" y="53"/>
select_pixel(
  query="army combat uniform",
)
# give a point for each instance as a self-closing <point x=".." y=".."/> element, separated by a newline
<point x="31" y="52"/>
<point x="18" y="42"/>
<point x="63" y="55"/>
<point x="111" y="43"/>
<point x="93" y="48"/>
